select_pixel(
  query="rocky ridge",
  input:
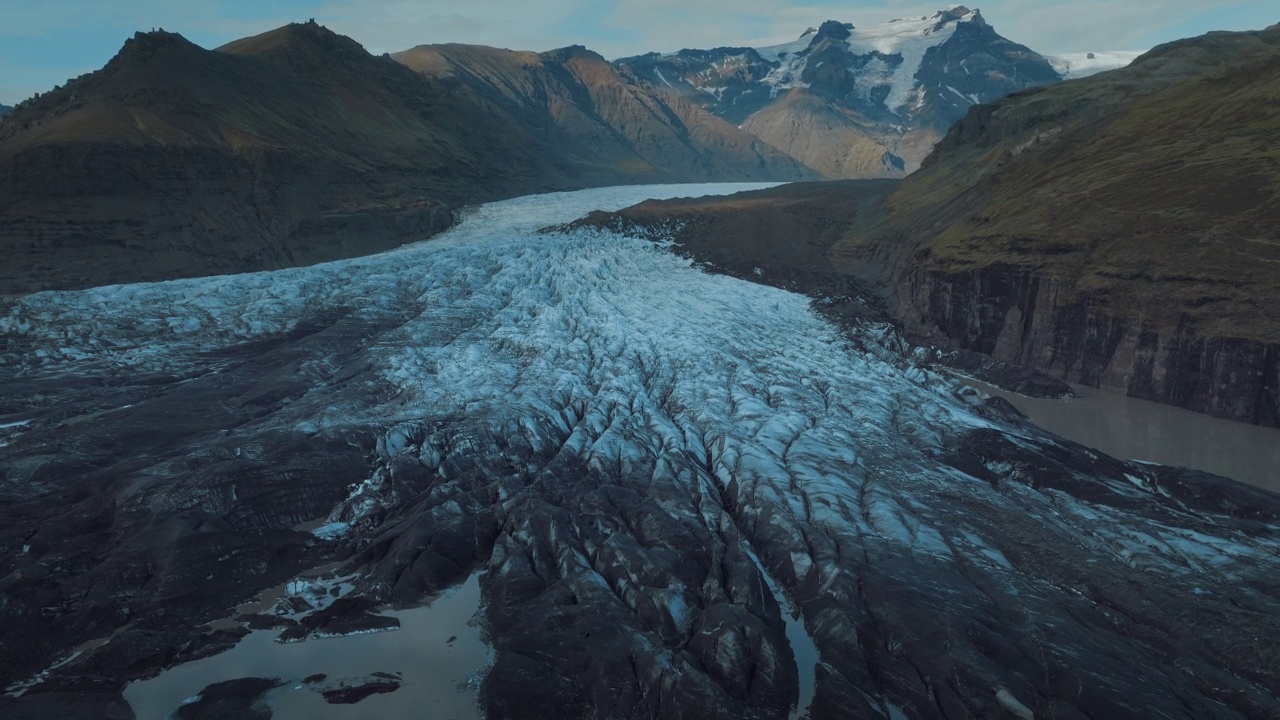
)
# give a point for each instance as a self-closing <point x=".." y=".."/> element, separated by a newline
<point x="1118" y="231"/>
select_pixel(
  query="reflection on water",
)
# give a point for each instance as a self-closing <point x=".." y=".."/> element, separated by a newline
<point x="802" y="645"/>
<point x="438" y="650"/>
<point x="1129" y="428"/>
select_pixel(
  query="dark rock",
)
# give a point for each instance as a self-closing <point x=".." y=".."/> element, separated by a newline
<point x="835" y="30"/>
<point x="1015" y="315"/>
<point x="243" y="698"/>
<point x="87" y="699"/>
<point x="346" y="616"/>
<point x="349" y="691"/>
<point x="1017" y="379"/>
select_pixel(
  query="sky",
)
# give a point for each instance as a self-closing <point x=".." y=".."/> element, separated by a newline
<point x="44" y="43"/>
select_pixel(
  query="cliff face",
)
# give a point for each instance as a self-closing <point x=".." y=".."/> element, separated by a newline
<point x="1024" y="318"/>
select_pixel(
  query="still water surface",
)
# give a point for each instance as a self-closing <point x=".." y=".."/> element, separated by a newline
<point x="438" y="650"/>
<point x="1133" y="429"/>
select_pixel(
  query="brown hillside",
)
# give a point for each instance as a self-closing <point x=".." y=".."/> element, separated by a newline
<point x="293" y="147"/>
<point x="614" y="129"/>
<point x="1119" y="230"/>
<point x="1155" y="185"/>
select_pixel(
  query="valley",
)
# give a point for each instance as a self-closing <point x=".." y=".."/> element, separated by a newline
<point x="894" y="371"/>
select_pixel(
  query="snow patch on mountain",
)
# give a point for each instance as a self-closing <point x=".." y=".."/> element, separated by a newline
<point x="908" y="39"/>
<point x="1078" y="65"/>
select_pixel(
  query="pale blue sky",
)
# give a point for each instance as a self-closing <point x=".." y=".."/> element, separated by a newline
<point x="43" y="43"/>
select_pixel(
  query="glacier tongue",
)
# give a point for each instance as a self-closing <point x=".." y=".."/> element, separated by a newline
<point x="604" y="425"/>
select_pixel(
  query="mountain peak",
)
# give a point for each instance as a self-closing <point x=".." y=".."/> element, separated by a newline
<point x="145" y="45"/>
<point x="293" y="35"/>
<point x="833" y="29"/>
<point x="955" y="12"/>
<point x="873" y="97"/>
<point x="570" y="52"/>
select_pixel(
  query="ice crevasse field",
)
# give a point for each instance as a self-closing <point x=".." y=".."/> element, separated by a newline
<point x="735" y="399"/>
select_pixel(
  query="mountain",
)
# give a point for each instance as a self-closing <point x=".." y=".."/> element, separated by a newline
<point x="850" y="101"/>
<point x="597" y="124"/>
<point x="293" y="147"/>
<point x="1116" y="231"/>
<point x="4" y="110"/>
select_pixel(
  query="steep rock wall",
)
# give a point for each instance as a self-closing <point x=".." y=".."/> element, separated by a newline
<point x="1025" y="318"/>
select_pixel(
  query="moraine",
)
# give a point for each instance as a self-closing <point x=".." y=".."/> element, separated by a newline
<point x="648" y="463"/>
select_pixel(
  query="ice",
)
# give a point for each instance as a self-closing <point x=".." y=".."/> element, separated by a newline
<point x="331" y="531"/>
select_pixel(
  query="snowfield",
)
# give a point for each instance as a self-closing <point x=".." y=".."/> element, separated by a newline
<point x="908" y="38"/>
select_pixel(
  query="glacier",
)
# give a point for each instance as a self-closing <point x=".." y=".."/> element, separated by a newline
<point x="645" y="459"/>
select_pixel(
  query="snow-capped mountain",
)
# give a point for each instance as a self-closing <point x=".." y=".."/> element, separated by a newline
<point x="852" y="101"/>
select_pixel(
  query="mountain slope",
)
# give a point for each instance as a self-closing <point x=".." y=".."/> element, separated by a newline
<point x="613" y="129"/>
<point x="174" y="161"/>
<point x="849" y="101"/>
<point x="292" y="147"/>
<point x="4" y="110"/>
<point x="1118" y="231"/>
